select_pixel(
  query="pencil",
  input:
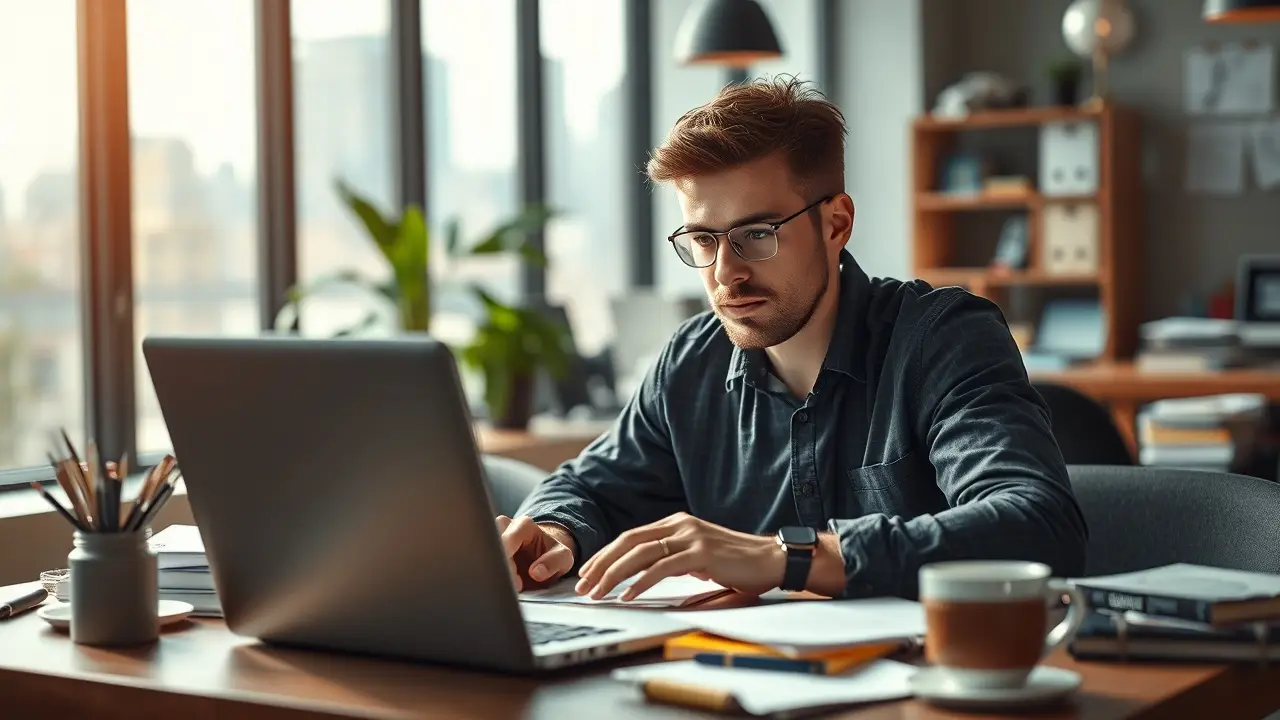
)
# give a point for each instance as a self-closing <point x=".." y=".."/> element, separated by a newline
<point x="70" y="488"/>
<point x="89" y="490"/>
<point x="162" y="495"/>
<point x="58" y="506"/>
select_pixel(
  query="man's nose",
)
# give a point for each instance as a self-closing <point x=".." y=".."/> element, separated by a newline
<point x="730" y="269"/>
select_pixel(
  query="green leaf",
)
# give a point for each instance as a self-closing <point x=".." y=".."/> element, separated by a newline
<point x="511" y="236"/>
<point x="382" y="230"/>
<point x="289" y="313"/>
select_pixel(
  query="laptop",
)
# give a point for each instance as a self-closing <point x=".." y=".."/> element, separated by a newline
<point x="340" y="495"/>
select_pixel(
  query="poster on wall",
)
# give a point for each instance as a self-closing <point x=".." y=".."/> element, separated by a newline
<point x="1235" y="78"/>
<point x="1265" y="144"/>
<point x="1215" y="159"/>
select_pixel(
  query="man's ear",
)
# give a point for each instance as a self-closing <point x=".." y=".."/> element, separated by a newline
<point x="842" y="212"/>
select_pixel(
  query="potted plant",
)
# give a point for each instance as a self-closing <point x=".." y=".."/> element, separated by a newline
<point x="511" y="345"/>
<point x="1065" y="77"/>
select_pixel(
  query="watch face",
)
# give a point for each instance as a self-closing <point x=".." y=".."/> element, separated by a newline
<point x="798" y="535"/>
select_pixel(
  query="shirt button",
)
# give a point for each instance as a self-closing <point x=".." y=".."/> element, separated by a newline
<point x="807" y="489"/>
<point x="802" y="416"/>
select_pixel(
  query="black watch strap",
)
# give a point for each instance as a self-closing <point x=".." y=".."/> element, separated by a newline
<point x="796" y="575"/>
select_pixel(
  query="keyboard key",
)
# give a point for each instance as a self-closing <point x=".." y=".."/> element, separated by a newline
<point x="541" y="632"/>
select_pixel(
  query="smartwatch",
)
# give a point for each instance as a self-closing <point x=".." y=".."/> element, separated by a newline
<point x="800" y="544"/>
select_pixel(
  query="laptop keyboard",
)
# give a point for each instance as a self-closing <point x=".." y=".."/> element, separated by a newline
<point x="544" y="632"/>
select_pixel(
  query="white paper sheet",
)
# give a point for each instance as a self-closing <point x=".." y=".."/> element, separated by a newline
<point x="1265" y="145"/>
<point x="764" y="692"/>
<point x="1234" y="78"/>
<point x="667" y="593"/>
<point x="1215" y="159"/>
<point x="811" y="624"/>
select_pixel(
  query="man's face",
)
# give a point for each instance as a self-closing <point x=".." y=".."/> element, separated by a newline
<point x="763" y="303"/>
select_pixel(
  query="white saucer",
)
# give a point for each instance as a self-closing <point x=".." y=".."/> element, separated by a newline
<point x="170" y="611"/>
<point x="1045" y="685"/>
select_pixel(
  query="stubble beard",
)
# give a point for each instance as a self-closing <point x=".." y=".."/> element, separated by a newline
<point x="783" y="316"/>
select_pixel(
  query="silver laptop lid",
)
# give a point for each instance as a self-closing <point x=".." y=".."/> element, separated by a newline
<point x="340" y="495"/>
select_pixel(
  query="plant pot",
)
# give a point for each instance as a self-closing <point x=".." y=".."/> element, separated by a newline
<point x="519" y="409"/>
<point x="1066" y="91"/>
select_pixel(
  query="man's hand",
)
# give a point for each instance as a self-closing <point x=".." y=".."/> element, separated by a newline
<point x="536" y="554"/>
<point x="683" y="545"/>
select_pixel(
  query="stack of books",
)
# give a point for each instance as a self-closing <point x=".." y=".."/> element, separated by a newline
<point x="1180" y="612"/>
<point x="1198" y="344"/>
<point x="1219" y="432"/>
<point x="184" y="569"/>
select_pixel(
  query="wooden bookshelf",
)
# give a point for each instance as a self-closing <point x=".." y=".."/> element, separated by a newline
<point x="1117" y="202"/>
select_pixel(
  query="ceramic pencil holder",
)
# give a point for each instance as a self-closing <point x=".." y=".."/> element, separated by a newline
<point x="114" y="589"/>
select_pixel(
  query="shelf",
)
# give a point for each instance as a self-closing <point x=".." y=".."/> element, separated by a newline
<point x="941" y="277"/>
<point x="1014" y="117"/>
<point x="942" y="202"/>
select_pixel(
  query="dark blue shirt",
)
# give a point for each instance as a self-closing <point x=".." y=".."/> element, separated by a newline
<point x="921" y="441"/>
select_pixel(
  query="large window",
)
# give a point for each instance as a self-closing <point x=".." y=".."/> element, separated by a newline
<point x="41" y="353"/>
<point x="586" y="162"/>
<point x="342" y="132"/>
<point x="192" y="115"/>
<point x="470" y="76"/>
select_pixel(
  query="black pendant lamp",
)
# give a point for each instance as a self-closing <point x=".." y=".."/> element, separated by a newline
<point x="1241" y="11"/>
<point x="733" y="33"/>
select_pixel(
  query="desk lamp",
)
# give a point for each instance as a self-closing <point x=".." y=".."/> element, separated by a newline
<point x="1241" y="11"/>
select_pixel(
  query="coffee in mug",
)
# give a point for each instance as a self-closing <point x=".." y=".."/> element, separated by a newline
<point x="986" y="621"/>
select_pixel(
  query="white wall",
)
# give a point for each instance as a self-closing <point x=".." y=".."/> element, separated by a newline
<point x="880" y="89"/>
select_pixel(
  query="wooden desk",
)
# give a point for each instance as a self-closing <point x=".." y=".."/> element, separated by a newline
<point x="200" y="670"/>
<point x="1124" y="388"/>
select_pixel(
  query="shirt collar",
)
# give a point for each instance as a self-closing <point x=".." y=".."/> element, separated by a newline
<point x="847" y="336"/>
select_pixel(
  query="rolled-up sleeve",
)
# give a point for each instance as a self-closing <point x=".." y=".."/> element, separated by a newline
<point x="991" y="445"/>
<point x="625" y="478"/>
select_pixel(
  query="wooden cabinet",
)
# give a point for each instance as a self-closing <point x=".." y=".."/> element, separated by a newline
<point x="1082" y="202"/>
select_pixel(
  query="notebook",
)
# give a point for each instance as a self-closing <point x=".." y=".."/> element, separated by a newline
<point x="179" y="546"/>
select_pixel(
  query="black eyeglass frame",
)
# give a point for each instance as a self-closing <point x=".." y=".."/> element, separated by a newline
<point x="775" y="226"/>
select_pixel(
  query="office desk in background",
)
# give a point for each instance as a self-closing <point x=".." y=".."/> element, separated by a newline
<point x="201" y="670"/>
<point x="1124" y="388"/>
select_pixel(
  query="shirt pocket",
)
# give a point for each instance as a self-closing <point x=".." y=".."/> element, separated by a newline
<point x="895" y="488"/>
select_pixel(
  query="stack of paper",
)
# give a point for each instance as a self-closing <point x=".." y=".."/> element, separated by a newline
<point x="803" y="627"/>
<point x="672" y="592"/>
<point x="184" y="568"/>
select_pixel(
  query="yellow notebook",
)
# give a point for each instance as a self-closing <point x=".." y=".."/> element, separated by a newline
<point x="715" y="650"/>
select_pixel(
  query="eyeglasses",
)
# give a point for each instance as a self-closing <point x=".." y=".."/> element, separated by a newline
<point x="752" y="242"/>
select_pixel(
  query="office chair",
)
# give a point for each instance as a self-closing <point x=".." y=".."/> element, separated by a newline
<point x="510" y="482"/>
<point x="1085" y="432"/>
<point x="1141" y="517"/>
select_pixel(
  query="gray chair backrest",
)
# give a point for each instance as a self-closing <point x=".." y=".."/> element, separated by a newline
<point x="1141" y="517"/>
<point x="510" y="482"/>
<point x="1084" y="429"/>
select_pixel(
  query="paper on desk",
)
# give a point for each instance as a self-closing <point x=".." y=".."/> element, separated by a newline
<point x="792" y="627"/>
<point x="669" y="592"/>
<point x="764" y="692"/>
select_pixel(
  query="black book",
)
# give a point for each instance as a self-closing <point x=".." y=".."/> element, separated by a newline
<point x="1209" y="595"/>
<point x="1133" y="636"/>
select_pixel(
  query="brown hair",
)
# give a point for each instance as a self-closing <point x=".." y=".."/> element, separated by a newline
<point x="750" y="121"/>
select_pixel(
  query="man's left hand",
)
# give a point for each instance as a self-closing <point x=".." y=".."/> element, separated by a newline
<point x="683" y="545"/>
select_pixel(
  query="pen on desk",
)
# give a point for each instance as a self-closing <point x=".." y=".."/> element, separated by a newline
<point x="24" y="603"/>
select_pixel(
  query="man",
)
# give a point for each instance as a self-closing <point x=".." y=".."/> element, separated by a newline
<point x="817" y="430"/>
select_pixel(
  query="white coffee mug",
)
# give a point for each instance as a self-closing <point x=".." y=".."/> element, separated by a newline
<point x="987" y="620"/>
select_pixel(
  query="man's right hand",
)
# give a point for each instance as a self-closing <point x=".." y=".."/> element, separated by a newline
<point x="537" y="554"/>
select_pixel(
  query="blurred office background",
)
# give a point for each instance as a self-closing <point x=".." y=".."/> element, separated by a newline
<point x="169" y="167"/>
